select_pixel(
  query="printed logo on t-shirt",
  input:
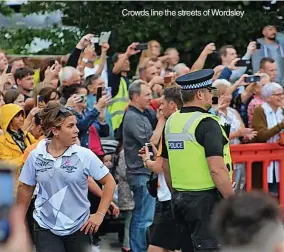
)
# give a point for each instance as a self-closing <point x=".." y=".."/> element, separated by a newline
<point x="42" y="164"/>
<point x="69" y="164"/>
<point x="176" y="145"/>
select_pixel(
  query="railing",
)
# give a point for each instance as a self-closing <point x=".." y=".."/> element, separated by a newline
<point x="265" y="153"/>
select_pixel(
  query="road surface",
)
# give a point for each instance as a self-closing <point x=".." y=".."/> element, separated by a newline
<point x="110" y="243"/>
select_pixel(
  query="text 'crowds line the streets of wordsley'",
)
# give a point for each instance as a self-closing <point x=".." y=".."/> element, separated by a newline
<point x="183" y="13"/>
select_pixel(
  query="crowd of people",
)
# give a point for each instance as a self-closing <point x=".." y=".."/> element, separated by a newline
<point x="55" y="116"/>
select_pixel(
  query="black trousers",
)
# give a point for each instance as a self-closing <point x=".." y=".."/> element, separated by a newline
<point x="192" y="211"/>
<point x="46" y="241"/>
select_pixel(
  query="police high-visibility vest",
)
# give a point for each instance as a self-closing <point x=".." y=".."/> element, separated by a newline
<point x="36" y="76"/>
<point x="188" y="165"/>
<point x="118" y="105"/>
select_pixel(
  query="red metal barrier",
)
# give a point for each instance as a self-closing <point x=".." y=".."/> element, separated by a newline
<point x="265" y="153"/>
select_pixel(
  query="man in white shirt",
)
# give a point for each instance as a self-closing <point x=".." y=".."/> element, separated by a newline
<point x="228" y="53"/>
<point x="164" y="234"/>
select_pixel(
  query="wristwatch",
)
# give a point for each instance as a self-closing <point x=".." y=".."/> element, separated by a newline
<point x="86" y="61"/>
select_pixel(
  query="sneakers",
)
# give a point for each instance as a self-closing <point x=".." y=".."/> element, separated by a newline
<point x="125" y="249"/>
<point x="95" y="248"/>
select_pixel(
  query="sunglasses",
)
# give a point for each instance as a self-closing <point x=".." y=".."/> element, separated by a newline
<point x="64" y="111"/>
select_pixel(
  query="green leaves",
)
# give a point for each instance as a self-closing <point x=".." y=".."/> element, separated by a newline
<point x="190" y="34"/>
<point x="5" y="10"/>
<point x="18" y="41"/>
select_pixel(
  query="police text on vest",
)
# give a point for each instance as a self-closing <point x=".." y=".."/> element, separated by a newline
<point x="176" y="145"/>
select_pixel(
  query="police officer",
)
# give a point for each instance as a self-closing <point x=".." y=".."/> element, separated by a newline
<point x="197" y="162"/>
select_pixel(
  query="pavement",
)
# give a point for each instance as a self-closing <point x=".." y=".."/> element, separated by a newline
<point x="110" y="243"/>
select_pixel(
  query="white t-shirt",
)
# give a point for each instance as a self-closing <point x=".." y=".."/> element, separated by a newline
<point x="90" y="71"/>
<point x="164" y="193"/>
<point x="62" y="204"/>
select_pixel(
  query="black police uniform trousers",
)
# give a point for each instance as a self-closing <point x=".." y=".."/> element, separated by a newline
<point x="192" y="211"/>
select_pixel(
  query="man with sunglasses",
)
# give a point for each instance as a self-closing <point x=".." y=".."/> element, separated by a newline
<point x="196" y="161"/>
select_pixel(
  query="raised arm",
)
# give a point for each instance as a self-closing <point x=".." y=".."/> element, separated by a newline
<point x="75" y="55"/>
<point x="157" y="133"/>
<point x="200" y="62"/>
<point x="105" y="47"/>
<point x="131" y="50"/>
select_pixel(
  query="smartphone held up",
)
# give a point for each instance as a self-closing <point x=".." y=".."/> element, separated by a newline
<point x="104" y="37"/>
<point x="108" y="90"/>
<point x="9" y="69"/>
<point x="150" y="149"/>
<point x="215" y="100"/>
<point x="258" y="46"/>
<point x="99" y="93"/>
<point x="252" y="79"/>
<point x="142" y="46"/>
<point x="242" y="63"/>
<point x="95" y="40"/>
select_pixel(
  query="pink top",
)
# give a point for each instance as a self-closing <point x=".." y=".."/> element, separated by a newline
<point x="255" y="102"/>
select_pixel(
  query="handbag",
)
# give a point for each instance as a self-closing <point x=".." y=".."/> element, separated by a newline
<point x="152" y="185"/>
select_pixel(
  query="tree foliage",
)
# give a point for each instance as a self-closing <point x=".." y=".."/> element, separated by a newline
<point x="189" y="34"/>
<point x="4" y="9"/>
<point x="18" y="41"/>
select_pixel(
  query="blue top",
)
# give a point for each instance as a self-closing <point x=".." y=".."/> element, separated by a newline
<point x="84" y="122"/>
<point x="91" y="100"/>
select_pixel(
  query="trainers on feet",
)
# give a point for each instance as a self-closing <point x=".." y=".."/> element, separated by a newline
<point x="95" y="248"/>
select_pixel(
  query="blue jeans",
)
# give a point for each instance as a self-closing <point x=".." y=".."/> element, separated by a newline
<point x="127" y="215"/>
<point x="143" y="213"/>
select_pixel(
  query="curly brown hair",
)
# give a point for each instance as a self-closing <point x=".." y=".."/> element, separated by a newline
<point x="52" y="116"/>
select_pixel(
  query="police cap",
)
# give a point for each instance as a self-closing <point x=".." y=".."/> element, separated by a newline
<point x="196" y="80"/>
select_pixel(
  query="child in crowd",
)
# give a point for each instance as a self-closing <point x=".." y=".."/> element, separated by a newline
<point x="107" y="159"/>
<point x="125" y="199"/>
<point x="108" y="162"/>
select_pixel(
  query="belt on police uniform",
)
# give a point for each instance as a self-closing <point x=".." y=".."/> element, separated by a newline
<point x="203" y="192"/>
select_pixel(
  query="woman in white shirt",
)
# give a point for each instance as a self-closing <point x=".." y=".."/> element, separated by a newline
<point x="61" y="169"/>
<point x="268" y="120"/>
